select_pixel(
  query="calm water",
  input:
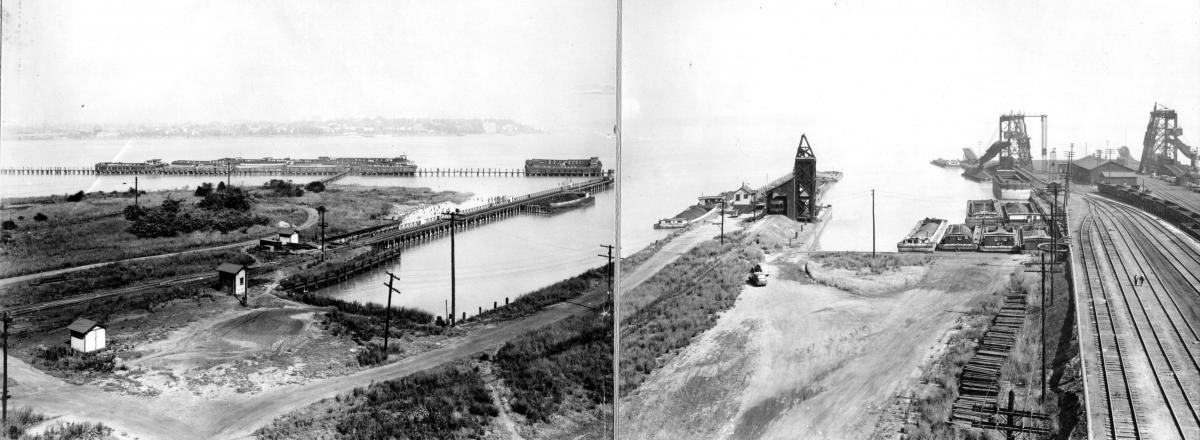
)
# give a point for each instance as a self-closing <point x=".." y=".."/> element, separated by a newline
<point x="666" y="168"/>
<point x="498" y="260"/>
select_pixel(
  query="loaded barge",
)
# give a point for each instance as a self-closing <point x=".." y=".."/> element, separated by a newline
<point x="563" y="202"/>
<point x="1006" y="185"/>
<point x="961" y="237"/>
<point x="925" y="236"/>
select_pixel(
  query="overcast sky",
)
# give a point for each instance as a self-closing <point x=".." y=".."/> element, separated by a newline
<point x="543" y="62"/>
<point x="914" y="72"/>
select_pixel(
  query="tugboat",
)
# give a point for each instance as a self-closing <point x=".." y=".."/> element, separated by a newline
<point x="925" y="236"/>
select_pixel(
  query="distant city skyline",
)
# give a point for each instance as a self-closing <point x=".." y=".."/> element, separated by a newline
<point x="150" y="62"/>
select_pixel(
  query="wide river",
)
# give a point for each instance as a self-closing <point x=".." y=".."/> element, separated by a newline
<point x="664" y="169"/>
<point x="500" y="260"/>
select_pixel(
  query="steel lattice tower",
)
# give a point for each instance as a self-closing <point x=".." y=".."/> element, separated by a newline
<point x="1012" y="132"/>
<point x="804" y="183"/>
<point x="1162" y="141"/>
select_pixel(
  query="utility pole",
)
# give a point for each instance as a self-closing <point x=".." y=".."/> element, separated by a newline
<point x="722" y="219"/>
<point x="135" y="189"/>
<point x="228" y="173"/>
<point x="4" y="397"/>
<point x="322" y="224"/>
<point x="610" y="267"/>
<point x="454" y="218"/>
<point x="1010" y="422"/>
<point x="872" y="224"/>
<point x="1043" y="271"/>
<point x="387" y="314"/>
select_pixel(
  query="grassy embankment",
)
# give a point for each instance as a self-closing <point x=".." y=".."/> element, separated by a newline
<point x="94" y="230"/>
<point x="353" y="207"/>
<point x="564" y="370"/>
<point x="1020" y="373"/>
<point x="119" y="275"/>
<point x="664" y="313"/>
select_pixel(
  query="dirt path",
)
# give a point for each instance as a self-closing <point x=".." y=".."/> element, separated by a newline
<point x="308" y="223"/>
<point x="799" y="360"/>
<point x="238" y="417"/>
<point x="672" y="251"/>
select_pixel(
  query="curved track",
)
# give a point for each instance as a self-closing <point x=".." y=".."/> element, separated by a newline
<point x="1146" y="337"/>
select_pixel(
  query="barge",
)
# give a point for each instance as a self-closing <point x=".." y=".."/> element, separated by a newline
<point x="564" y="167"/>
<point x="1001" y="238"/>
<point x="1006" y="185"/>
<point x="983" y="213"/>
<point x="1020" y="212"/>
<point x="961" y="237"/>
<point x="566" y="201"/>
<point x="924" y="237"/>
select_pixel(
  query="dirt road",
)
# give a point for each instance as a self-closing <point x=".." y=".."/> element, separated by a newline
<point x="672" y="251"/>
<point x="238" y="417"/>
<point x="308" y="222"/>
<point x="801" y="360"/>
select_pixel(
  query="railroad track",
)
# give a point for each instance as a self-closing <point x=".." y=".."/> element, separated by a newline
<point x="181" y="280"/>
<point x="1141" y="327"/>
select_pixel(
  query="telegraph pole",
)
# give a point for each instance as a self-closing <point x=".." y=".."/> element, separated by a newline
<point x="387" y="315"/>
<point x="872" y="224"/>
<point x="722" y="219"/>
<point x="4" y="397"/>
<point x="454" y="218"/>
<point x="322" y="224"/>
<point x="610" y="267"/>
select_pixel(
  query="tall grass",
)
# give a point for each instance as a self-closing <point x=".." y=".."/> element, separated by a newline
<point x="680" y="302"/>
<point x="543" y="366"/>
<point x="118" y="275"/>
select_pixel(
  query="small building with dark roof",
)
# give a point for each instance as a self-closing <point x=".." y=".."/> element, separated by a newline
<point x="233" y="278"/>
<point x="86" y="335"/>
<point x="1088" y="170"/>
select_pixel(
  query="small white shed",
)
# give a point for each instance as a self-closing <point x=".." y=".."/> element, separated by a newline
<point x="233" y="277"/>
<point x="289" y="237"/>
<point x="86" y="335"/>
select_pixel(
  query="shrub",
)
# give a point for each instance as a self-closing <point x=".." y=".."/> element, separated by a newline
<point x="232" y="198"/>
<point x="9" y="225"/>
<point x="284" y="188"/>
<point x="40" y="217"/>
<point x="315" y="186"/>
<point x="75" y="197"/>
<point x="204" y="189"/>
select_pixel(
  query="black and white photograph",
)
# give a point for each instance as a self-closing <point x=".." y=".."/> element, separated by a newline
<point x="308" y="220"/>
<point x="909" y="220"/>
<point x="599" y="219"/>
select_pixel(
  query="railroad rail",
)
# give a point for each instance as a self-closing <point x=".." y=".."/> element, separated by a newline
<point x="1141" y="327"/>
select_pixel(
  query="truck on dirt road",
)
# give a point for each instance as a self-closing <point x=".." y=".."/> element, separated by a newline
<point x="757" y="276"/>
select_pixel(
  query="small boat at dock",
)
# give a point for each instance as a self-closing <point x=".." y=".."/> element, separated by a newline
<point x="924" y="237"/>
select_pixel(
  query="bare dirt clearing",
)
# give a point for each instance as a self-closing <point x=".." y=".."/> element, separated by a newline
<point x="801" y="360"/>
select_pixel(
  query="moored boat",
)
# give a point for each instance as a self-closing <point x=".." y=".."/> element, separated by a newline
<point x="924" y="237"/>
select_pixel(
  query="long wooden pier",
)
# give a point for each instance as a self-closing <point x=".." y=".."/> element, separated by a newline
<point x="390" y="235"/>
<point x="273" y="171"/>
<point x="389" y="240"/>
